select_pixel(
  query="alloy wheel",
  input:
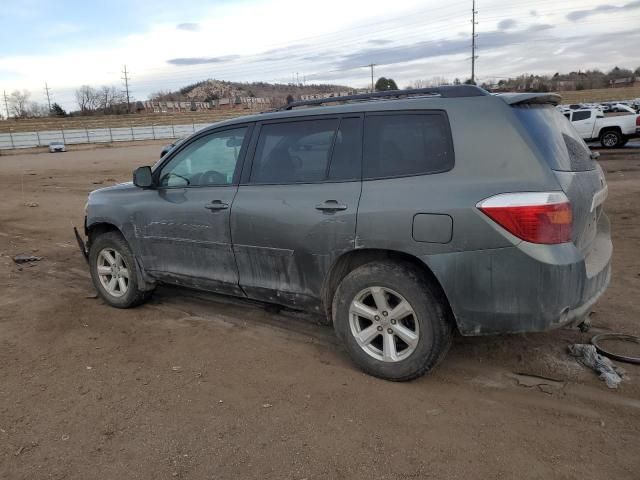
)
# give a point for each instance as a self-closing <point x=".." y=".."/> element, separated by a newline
<point x="384" y="324"/>
<point x="113" y="272"/>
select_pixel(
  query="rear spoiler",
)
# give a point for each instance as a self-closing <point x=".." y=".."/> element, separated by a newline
<point x="528" y="98"/>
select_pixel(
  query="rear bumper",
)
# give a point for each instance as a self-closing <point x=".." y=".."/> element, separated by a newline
<point x="524" y="288"/>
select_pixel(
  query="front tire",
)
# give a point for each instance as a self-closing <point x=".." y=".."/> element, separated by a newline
<point x="114" y="271"/>
<point x="393" y="323"/>
<point x="611" y="139"/>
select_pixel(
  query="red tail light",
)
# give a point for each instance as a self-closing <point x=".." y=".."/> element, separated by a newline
<point x="638" y="121"/>
<point x="536" y="217"/>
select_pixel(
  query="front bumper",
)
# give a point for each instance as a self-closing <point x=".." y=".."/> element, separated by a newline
<point x="524" y="288"/>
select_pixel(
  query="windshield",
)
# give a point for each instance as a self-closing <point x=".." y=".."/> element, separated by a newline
<point x="555" y="137"/>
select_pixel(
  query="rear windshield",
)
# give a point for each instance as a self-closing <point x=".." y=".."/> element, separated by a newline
<point x="555" y="137"/>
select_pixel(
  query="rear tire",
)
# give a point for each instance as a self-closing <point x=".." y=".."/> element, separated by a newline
<point x="611" y="139"/>
<point x="376" y="341"/>
<point x="114" y="271"/>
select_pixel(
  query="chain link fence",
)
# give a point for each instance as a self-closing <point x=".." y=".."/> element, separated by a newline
<point x="16" y="140"/>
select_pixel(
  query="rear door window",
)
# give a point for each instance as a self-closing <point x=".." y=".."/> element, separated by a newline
<point x="308" y="151"/>
<point x="560" y="144"/>
<point x="403" y="144"/>
<point x="293" y="152"/>
<point x="345" y="160"/>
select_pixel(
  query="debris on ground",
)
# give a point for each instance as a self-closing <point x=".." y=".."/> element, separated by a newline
<point x="32" y="204"/>
<point x="267" y="405"/>
<point x="176" y="368"/>
<point x="589" y="357"/>
<point x="22" y="258"/>
<point x="544" y="384"/>
<point x="25" y="448"/>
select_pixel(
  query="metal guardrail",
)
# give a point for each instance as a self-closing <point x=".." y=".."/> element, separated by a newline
<point x="10" y="141"/>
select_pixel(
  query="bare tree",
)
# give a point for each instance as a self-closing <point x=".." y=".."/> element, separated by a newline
<point x="418" y="84"/>
<point x="108" y="98"/>
<point x="19" y="103"/>
<point x="36" y="109"/>
<point x="432" y="82"/>
<point x="87" y="99"/>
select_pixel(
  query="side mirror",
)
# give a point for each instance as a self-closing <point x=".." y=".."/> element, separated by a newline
<point x="142" y="177"/>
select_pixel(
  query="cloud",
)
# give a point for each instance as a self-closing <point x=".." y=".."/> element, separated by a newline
<point x="379" y="41"/>
<point x="201" y="60"/>
<point x="437" y="48"/>
<point x="581" y="14"/>
<point x="506" y="24"/>
<point x="320" y="56"/>
<point x="189" y="27"/>
<point x="533" y="13"/>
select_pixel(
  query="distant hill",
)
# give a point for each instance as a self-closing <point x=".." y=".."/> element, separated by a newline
<point x="212" y="89"/>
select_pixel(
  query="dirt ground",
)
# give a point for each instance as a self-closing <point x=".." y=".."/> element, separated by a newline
<point x="201" y="387"/>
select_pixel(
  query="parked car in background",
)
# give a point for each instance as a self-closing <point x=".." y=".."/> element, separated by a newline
<point x="400" y="219"/>
<point x="611" y="132"/>
<point x="57" y="147"/>
<point x="624" y="107"/>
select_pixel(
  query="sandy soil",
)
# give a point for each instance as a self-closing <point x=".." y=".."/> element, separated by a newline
<point x="200" y="387"/>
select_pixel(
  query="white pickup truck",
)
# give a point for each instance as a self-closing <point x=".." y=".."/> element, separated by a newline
<point x="612" y="132"/>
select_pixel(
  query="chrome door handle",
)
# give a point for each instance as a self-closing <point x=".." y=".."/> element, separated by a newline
<point x="216" y="205"/>
<point x="331" y="206"/>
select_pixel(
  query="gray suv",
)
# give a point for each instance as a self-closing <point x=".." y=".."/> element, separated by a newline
<point x="402" y="216"/>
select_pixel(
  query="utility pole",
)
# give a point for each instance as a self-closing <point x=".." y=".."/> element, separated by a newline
<point x="6" y="103"/>
<point x="371" y="65"/>
<point x="126" y="87"/>
<point x="46" y="89"/>
<point x="474" y="12"/>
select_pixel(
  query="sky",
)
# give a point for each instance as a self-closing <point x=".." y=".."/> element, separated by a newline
<point x="167" y="44"/>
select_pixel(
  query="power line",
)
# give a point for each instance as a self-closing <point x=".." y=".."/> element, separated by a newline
<point x="126" y="86"/>
<point x="46" y="89"/>
<point x="474" y="12"/>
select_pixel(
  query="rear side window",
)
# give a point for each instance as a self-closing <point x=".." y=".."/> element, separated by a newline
<point x="560" y="144"/>
<point x="580" y="116"/>
<point x="405" y="144"/>
<point x="293" y="152"/>
<point x="345" y="160"/>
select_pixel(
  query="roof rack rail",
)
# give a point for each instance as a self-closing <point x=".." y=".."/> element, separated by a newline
<point x="446" y="91"/>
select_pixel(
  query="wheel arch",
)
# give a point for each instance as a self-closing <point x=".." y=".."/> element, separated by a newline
<point x="94" y="230"/>
<point x="353" y="259"/>
<point x="612" y="128"/>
